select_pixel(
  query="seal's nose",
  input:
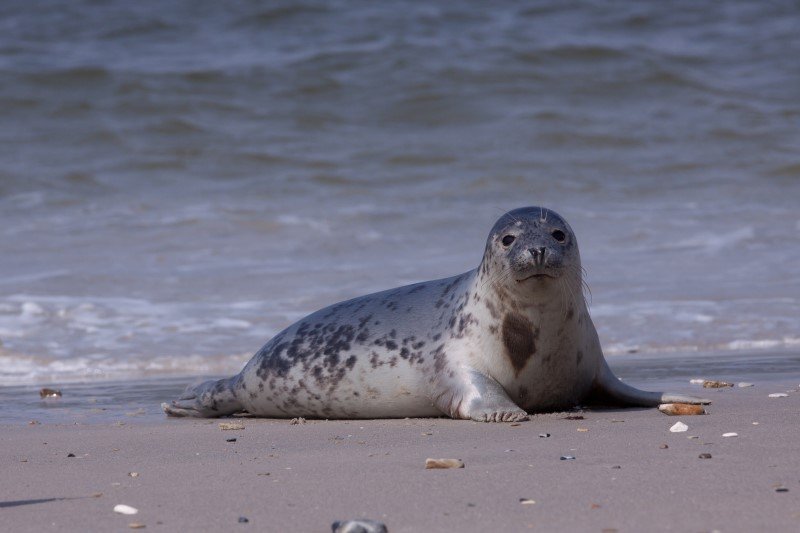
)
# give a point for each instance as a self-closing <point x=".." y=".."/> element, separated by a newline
<point x="538" y="255"/>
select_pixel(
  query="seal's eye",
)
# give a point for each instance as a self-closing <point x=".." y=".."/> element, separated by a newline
<point x="559" y="235"/>
<point x="508" y="239"/>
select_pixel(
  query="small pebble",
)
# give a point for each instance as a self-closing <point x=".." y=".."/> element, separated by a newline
<point x="697" y="381"/>
<point x="526" y="501"/>
<point x="515" y="424"/>
<point x="616" y="467"/>
<point x="692" y="437"/>
<point x="663" y="446"/>
<point x="49" y="393"/>
<point x="705" y="456"/>
<point x="231" y="426"/>
<point x="96" y="494"/>
<point x="778" y="395"/>
<point x="781" y="489"/>
<point x="443" y="463"/>
<point x="583" y="430"/>
<point x="679" y="427"/>
<point x="125" y="509"/>
<point x="360" y="525"/>
<point x="70" y="455"/>
<point x="136" y="525"/>
<point x="567" y="457"/>
<point x="231" y="440"/>
<point x="712" y="384"/>
<point x="744" y="384"/>
<point x="574" y="417"/>
<point x="243" y="520"/>
<point x="730" y="434"/>
<point x="133" y="474"/>
<point x="544" y="435"/>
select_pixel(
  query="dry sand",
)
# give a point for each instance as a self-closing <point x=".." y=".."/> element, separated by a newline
<point x="285" y="477"/>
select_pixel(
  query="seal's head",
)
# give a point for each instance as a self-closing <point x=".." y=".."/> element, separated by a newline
<point x="530" y="246"/>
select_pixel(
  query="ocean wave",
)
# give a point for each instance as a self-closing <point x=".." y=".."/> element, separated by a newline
<point x="281" y="14"/>
<point x="17" y="369"/>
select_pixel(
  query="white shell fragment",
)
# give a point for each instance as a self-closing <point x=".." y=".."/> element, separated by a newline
<point x="744" y="384"/>
<point x="679" y="427"/>
<point x="696" y="381"/>
<point x="526" y="501"/>
<point x="125" y="509"/>
<point x="730" y="434"/>
<point x="443" y="463"/>
<point x="361" y="525"/>
<point x="778" y="395"/>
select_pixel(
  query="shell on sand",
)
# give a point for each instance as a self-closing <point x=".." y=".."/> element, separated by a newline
<point x="675" y="409"/>
<point x="444" y="463"/>
<point x="711" y="384"/>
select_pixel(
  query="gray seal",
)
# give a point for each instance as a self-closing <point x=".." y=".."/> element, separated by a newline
<point x="510" y="337"/>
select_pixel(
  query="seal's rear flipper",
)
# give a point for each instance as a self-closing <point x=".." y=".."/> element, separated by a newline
<point x="609" y="389"/>
<point x="210" y="399"/>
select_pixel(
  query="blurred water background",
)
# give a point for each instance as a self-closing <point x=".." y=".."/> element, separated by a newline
<point x="180" y="180"/>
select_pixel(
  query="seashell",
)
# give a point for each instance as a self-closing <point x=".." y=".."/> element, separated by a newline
<point x="711" y="384"/>
<point x="443" y="463"/>
<point x="679" y="427"/>
<point x="125" y="509"/>
<point x="674" y="409"/>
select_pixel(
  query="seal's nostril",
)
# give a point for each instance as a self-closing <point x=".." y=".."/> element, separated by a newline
<point x="537" y="254"/>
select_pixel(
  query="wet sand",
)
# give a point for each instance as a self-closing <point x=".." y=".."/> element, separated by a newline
<point x="285" y="477"/>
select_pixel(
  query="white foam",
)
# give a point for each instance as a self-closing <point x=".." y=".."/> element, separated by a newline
<point x="761" y="344"/>
<point x="22" y="369"/>
<point x="712" y="242"/>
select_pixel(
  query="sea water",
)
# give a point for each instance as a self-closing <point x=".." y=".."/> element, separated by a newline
<point x="179" y="181"/>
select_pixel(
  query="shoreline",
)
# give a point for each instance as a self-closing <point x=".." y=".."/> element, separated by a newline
<point x="101" y="401"/>
<point x="303" y="477"/>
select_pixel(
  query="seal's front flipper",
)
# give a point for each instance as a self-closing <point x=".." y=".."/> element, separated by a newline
<point x="210" y="399"/>
<point x="475" y="396"/>
<point x="609" y="389"/>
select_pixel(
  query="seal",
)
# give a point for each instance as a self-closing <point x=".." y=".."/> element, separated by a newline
<point x="510" y="337"/>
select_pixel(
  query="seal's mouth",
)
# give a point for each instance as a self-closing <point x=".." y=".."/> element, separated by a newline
<point x="536" y="277"/>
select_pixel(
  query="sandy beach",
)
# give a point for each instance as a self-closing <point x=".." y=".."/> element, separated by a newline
<point x="630" y="473"/>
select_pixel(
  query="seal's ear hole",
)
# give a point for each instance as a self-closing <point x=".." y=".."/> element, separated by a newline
<point x="507" y="240"/>
<point x="559" y="235"/>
